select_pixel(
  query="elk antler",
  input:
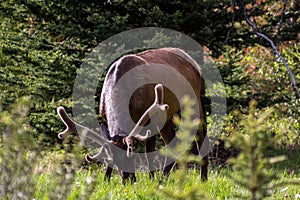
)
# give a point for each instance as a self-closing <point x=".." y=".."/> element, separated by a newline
<point x="154" y="108"/>
<point x="73" y="127"/>
<point x="70" y="124"/>
<point x="104" y="151"/>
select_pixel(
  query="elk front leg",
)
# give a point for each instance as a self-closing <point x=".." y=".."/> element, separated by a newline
<point x="108" y="173"/>
<point x="150" y="147"/>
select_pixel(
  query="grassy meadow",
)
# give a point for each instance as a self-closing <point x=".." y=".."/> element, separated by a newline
<point x="31" y="171"/>
<point x="88" y="183"/>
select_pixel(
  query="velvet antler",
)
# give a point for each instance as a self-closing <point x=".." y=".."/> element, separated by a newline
<point x="153" y="109"/>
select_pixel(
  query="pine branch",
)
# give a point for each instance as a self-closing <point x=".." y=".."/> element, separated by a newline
<point x="253" y="26"/>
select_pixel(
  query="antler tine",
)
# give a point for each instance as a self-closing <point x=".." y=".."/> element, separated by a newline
<point x="159" y="95"/>
<point x="103" y="154"/>
<point x="73" y="127"/>
<point x="155" y="107"/>
<point x="70" y="124"/>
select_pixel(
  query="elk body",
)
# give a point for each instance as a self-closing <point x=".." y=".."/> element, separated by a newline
<point x="146" y="101"/>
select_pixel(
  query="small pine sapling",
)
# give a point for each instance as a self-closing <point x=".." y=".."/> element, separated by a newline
<point x="185" y="137"/>
<point x="253" y="137"/>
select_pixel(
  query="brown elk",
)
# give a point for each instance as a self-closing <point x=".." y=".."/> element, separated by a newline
<point x="141" y="107"/>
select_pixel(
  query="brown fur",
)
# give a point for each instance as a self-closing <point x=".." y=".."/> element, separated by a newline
<point x="143" y="97"/>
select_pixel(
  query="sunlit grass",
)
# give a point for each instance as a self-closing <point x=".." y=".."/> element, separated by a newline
<point x="88" y="183"/>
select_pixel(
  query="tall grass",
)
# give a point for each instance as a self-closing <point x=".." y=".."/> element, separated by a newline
<point x="219" y="186"/>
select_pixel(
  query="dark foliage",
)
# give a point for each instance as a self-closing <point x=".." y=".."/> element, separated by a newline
<point x="43" y="43"/>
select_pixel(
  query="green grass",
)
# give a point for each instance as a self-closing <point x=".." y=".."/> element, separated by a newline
<point x="30" y="171"/>
<point x="88" y="183"/>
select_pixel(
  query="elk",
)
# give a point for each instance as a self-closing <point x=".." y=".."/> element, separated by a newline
<point x="148" y="100"/>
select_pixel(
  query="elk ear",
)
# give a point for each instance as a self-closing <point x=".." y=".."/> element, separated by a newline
<point x="105" y="131"/>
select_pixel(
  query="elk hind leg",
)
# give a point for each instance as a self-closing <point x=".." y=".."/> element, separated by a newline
<point x="202" y="144"/>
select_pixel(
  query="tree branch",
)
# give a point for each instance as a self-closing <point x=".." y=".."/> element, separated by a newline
<point x="232" y="22"/>
<point x="253" y="26"/>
